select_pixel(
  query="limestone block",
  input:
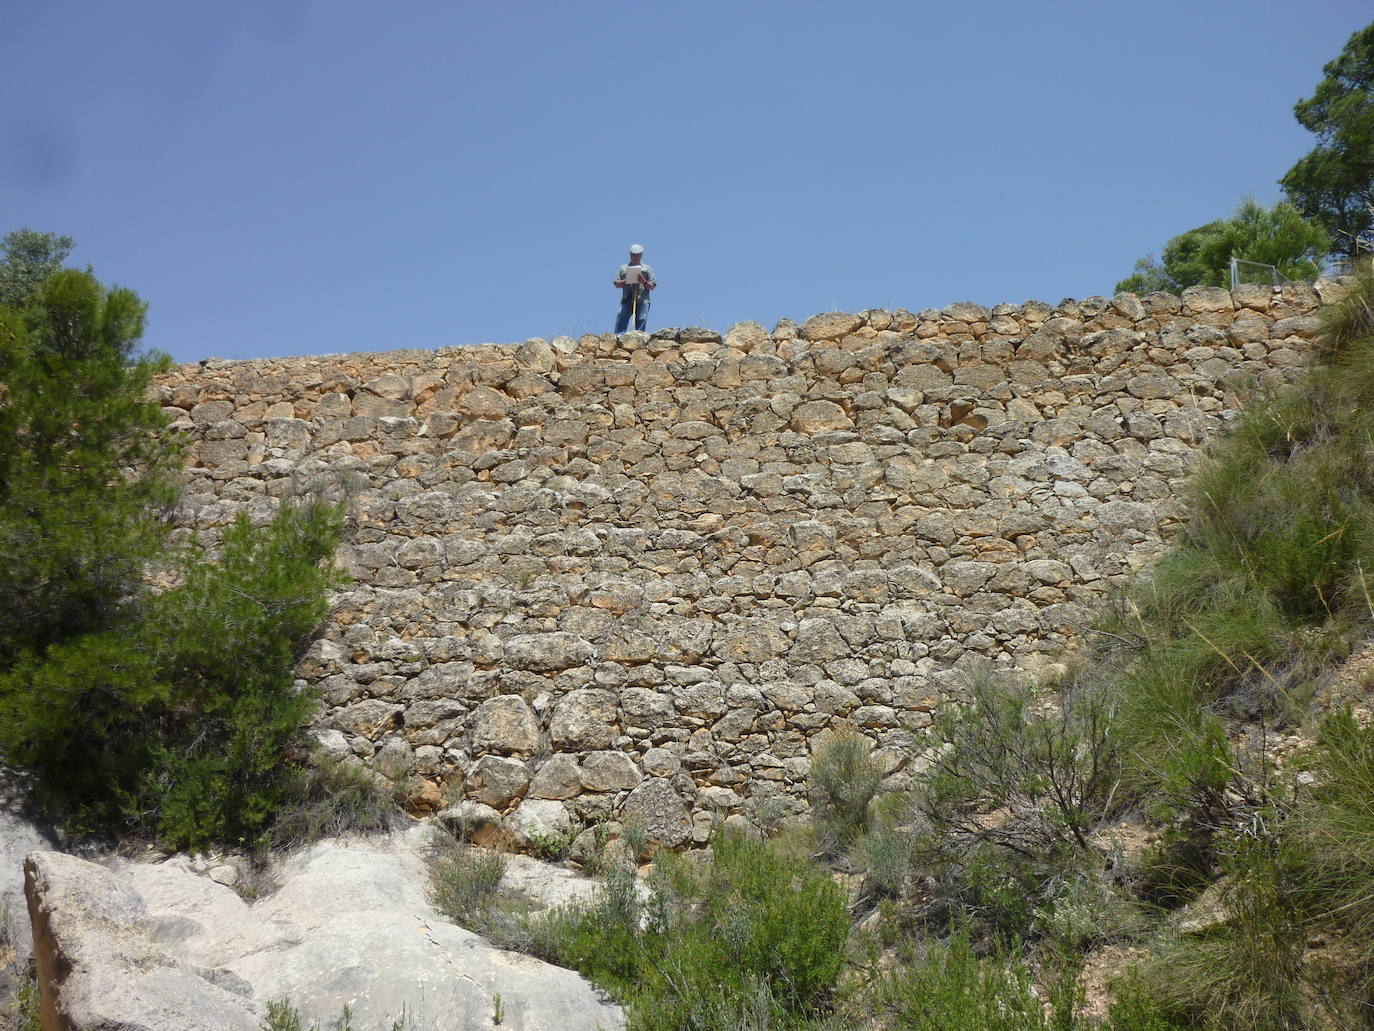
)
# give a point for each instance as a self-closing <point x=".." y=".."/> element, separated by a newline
<point x="484" y="402"/>
<point x="472" y="821"/>
<point x="819" y="417"/>
<point x="657" y="808"/>
<point x="643" y="707"/>
<point x="548" y="652"/>
<point x="99" y="965"/>
<point x="371" y="717"/>
<point x="1122" y="515"/>
<point x="1199" y="299"/>
<point x="818" y="641"/>
<point x="558" y="777"/>
<point x="389" y="385"/>
<point x="746" y="336"/>
<point x="609" y="771"/>
<point x="496" y="780"/>
<point x="395" y="759"/>
<point x="829" y="326"/>
<point x="660" y="762"/>
<point x="504" y="725"/>
<point x="537" y="819"/>
<point x="584" y="719"/>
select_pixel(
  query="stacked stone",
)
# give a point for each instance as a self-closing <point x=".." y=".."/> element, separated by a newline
<point x="640" y="577"/>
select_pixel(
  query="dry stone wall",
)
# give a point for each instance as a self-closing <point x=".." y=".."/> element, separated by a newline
<point x="640" y="577"/>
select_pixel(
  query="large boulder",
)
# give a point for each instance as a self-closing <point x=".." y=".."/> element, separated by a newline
<point x="101" y="966"/>
<point x="154" y="946"/>
<point x="657" y="808"/>
<point x="17" y="839"/>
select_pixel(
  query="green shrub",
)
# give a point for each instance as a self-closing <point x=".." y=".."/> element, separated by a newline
<point x="758" y="926"/>
<point x="1335" y="832"/>
<point x="885" y="858"/>
<point x="167" y="713"/>
<point x="845" y="778"/>
<point x="1268" y="582"/>
<point x="178" y="724"/>
<point x="466" y="881"/>
<point x="1246" y="970"/>
<point x="1010" y="798"/>
<point x="604" y="940"/>
<point x="949" y="988"/>
<point x="327" y="798"/>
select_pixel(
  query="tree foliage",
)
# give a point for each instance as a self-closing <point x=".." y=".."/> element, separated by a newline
<point x="1277" y="235"/>
<point x="1333" y="184"/>
<point x="169" y="710"/>
<point x="29" y="258"/>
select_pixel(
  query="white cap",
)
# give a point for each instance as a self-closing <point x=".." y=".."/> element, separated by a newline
<point x="636" y="248"/>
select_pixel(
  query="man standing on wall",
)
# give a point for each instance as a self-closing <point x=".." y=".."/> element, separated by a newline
<point x="635" y="280"/>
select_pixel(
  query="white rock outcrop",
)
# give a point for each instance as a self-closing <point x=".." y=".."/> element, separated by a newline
<point x="159" y="947"/>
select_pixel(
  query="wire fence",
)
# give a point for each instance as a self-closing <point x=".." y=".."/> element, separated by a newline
<point x="1255" y="272"/>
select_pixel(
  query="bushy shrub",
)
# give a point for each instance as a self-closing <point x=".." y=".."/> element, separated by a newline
<point x="949" y="988"/>
<point x="1010" y="797"/>
<point x="326" y="798"/>
<point x="169" y="713"/>
<point x="758" y="926"/>
<point x="466" y="881"/>
<point x="179" y="722"/>
<point x="1244" y="971"/>
<point x="1334" y="832"/>
<point x="845" y="778"/>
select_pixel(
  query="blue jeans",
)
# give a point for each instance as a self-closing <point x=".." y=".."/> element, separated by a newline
<point x="641" y="312"/>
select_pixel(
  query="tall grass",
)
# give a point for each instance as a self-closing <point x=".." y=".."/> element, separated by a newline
<point x="1270" y="579"/>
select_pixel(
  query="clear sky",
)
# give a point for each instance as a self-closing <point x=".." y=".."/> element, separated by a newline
<point x="281" y="177"/>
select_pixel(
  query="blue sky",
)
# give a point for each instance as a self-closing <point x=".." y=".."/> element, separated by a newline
<point x="283" y="178"/>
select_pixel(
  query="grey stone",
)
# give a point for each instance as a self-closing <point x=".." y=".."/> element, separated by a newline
<point x="99" y="965"/>
<point x="496" y="780"/>
<point x="547" y="652"/>
<point x="818" y="641"/>
<point x="820" y="417"/>
<point x="505" y="725"/>
<point x="657" y="808"/>
<point x="830" y="325"/>
<point x="558" y="777"/>
<point x="584" y="719"/>
<point x="17" y="839"/>
<point x="537" y="819"/>
<point x="609" y="771"/>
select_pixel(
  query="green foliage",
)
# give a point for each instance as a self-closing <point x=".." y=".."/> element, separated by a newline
<point x="759" y="928"/>
<point x="1333" y="184"/>
<point x="1269" y="580"/>
<point x="466" y="881"/>
<point x="1336" y="831"/>
<point x="29" y="257"/>
<point x="950" y="988"/>
<point x="886" y="861"/>
<point x="179" y="721"/>
<point x="325" y="799"/>
<point x="282" y="1016"/>
<point x="1246" y="970"/>
<point x="1278" y="235"/>
<point x="846" y="778"/>
<point x="1012" y="792"/>
<point x="170" y="712"/>
<point x="1133" y="1008"/>
<point x="76" y="528"/>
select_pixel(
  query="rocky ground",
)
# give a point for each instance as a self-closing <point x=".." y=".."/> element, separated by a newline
<point x="162" y="943"/>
